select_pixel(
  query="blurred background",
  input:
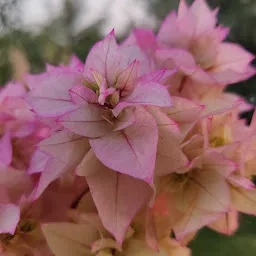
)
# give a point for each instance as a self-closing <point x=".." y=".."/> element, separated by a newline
<point x="35" y="32"/>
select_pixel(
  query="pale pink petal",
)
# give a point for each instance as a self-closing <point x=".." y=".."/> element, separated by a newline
<point x="227" y="224"/>
<point x="216" y="162"/>
<point x="177" y="31"/>
<point x="50" y="97"/>
<point x="81" y="94"/>
<point x="183" y="8"/>
<point x="53" y="169"/>
<point x="38" y="162"/>
<point x="239" y="181"/>
<point x="125" y="119"/>
<point x="5" y="151"/>
<point x="104" y="57"/>
<point x="87" y="120"/>
<point x="213" y="191"/>
<point x="9" y="218"/>
<point x="131" y="50"/>
<point x="229" y="76"/>
<point x="169" y="157"/>
<point x="216" y="102"/>
<point x="131" y="151"/>
<point x="193" y="222"/>
<point x="146" y="40"/>
<point x="145" y="93"/>
<point x="65" y="239"/>
<point x="113" y="194"/>
<point x="205" y="18"/>
<point x="176" y="58"/>
<point x="76" y="63"/>
<point x="159" y="76"/>
<point x="244" y="200"/>
<point x="127" y="79"/>
<point x="184" y="110"/>
<point x="233" y="57"/>
<point x="89" y="165"/>
<point x="12" y="89"/>
<point x="65" y="146"/>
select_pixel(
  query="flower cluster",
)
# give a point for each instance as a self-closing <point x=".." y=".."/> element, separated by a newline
<point x="112" y="156"/>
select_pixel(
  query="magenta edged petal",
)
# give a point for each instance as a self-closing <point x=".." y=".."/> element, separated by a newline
<point x="131" y="151"/>
<point x="104" y="57"/>
<point x="81" y="95"/>
<point x="65" y="146"/>
<point x="50" y="97"/>
<point x="87" y="120"/>
<point x="114" y="195"/>
<point x="148" y="94"/>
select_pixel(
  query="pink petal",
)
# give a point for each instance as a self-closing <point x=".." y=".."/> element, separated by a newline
<point x="38" y="162"/>
<point x="76" y="63"/>
<point x="233" y="57"/>
<point x="205" y="17"/>
<point x="217" y="102"/>
<point x="87" y="120"/>
<point x="216" y="162"/>
<point x="159" y="76"/>
<point x="229" y="76"/>
<point x="148" y="93"/>
<point x="244" y="200"/>
<point x="9" y="218"/>
<point x="227" y="224"/>
<point x="12" y="90"/>
<point x="81" y="94"/>
<point x="89" y="165"/>
<point x="126" y="80"/>
<point x="65" y="146"/>
<point x="169" y="157"/>
<point x="239" y="181"/>
<point x="131" y="50"/>
<point x="67" y="238"/>
<point x="115" y="199"/>
<point x="183" y="8"/>
<point x="53" y="169"/>
<point x="5" y="151"/>
<point x="192" y="222"/>
<point x="184" y="110"/>
<point x="50" y="97"/>
<point x="104" y="57"/>
<point x="213" y="192"/>
<point x="176" y="58"/>
<point x="125" y="119"/>
<point x="177" y="31"/>
<point x="146" y="40"/>
<point x="131" y="151"/>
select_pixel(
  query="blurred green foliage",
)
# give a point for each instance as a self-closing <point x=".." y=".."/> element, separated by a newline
<point x="46" y="48"/>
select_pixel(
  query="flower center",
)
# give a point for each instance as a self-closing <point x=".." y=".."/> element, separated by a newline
<point x="217" y="142"/>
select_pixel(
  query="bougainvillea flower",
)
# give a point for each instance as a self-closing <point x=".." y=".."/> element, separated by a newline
<point x="105" y="111"/>
<point x="199" y="196"/>
<point x="194" y="44"/>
